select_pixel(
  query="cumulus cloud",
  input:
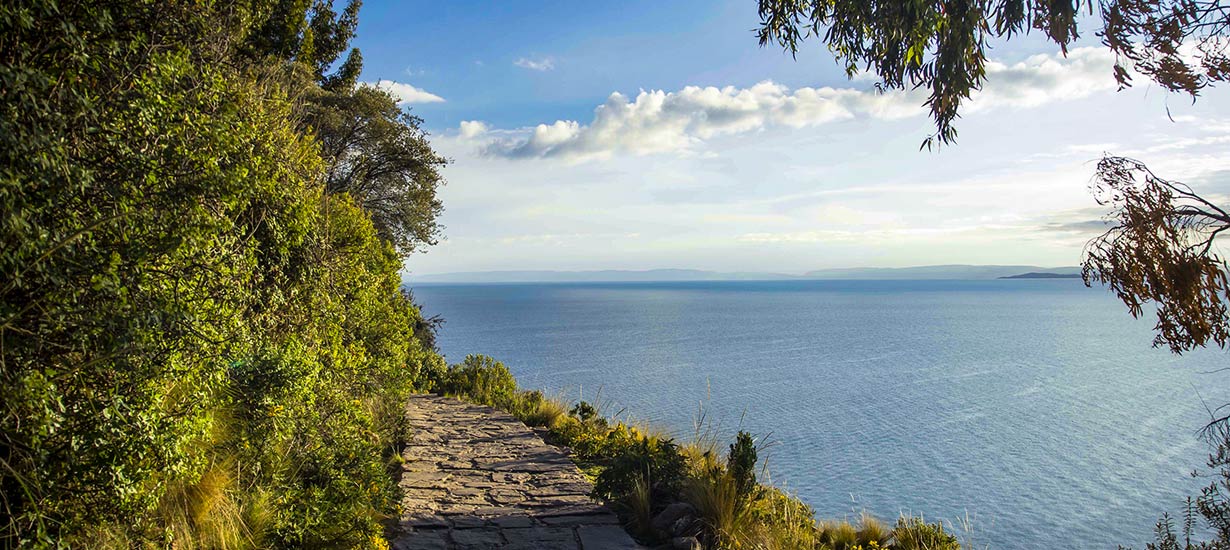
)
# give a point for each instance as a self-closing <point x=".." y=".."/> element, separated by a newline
<point x="1044" y="78"/>
<point x="657" y="121"/>
<point x="544" y="64"/>
<point x="470" y="129"/>
<point x="406" y="94"/>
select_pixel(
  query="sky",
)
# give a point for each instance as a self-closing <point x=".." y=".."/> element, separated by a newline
<point x="646" y="135"/>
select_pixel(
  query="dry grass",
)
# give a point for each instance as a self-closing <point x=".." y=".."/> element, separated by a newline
<point x="548" y="412"/>
<point x="714" y="494"/>
<point x="213" y="513"/>
<point x="640" y="507"/>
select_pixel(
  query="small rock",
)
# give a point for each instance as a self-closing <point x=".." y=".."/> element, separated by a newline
<point x="666" y="519"/>
<point x="685" y="543"/>
<point x="683" y="526"/>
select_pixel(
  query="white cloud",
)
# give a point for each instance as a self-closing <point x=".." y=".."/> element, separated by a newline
<point x="470" y="129"/>
<point x="658" y="121"/>
<point x="544" y="64"/>
<point x="1044" y="78"/>
<point x="405" y="93"/>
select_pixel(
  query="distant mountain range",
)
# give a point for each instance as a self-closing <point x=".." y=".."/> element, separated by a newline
<point x="930" y="272"/>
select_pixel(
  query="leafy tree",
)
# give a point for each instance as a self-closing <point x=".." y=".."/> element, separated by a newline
<point x="377" y="153"/>
<point x="312" y="33"/>
<point x="942" y="45"/>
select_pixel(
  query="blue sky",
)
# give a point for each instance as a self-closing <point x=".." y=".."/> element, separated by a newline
<point x="714" y="153"/>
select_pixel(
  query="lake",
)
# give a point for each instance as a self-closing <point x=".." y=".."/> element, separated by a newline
<point x="1035" y="411"/>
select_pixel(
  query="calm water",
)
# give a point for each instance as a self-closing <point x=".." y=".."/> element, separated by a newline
<point x="1036" y="408"/>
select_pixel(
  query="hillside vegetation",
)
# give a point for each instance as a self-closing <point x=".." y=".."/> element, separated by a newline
<point x="203" y="341"/>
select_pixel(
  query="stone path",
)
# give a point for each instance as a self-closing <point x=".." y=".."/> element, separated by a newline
<point x="476" y="477"/>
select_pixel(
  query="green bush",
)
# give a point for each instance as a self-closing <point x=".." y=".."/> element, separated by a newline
<point x="628" y="457"/>
<point x="480" y="379"/>
<point x="741" y="463"/>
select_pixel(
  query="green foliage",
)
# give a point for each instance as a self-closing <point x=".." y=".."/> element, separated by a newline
<point x="200" y="346"/>
<point x="584" y="411"/>
<point x="308" y="32"/>
<point x="480" y="379"/>
<point x="912" y="533"/>
<point x="741" y="463"/>
<point x="377" y="154"/>
<point x="942" y="45"/>
<point x="629" y="457"/>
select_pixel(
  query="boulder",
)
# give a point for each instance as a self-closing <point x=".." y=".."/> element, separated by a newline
<point x="667" y="518"/>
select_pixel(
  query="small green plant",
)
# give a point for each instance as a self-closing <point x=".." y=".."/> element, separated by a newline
<point x="584" y="412"/>
<point x="741" y="463"/>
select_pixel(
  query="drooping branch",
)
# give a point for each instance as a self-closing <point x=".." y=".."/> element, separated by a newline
<point x="1161" y="250"/>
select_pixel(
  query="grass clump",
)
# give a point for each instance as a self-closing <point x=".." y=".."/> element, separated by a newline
<point x="914" y="533"/>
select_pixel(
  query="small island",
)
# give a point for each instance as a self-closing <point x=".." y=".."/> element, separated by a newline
<point x="1036" y="275"/>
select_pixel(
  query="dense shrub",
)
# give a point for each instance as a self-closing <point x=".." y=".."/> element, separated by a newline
<point x="741" y="463"/>
<point x="480" y="379"/>
<point x="200" y="346"/>
<point x="628" y="457"/>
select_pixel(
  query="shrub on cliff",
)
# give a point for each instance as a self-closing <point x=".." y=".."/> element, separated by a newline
<point x="480" y="379"/>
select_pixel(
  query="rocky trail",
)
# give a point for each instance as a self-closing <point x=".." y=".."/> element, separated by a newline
<point x="476" y="477"/>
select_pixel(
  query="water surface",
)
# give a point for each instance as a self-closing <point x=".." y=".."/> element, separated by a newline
<point x="1036" y="408"/>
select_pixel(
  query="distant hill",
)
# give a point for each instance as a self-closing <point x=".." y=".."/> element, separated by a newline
<point x="936" y="272"/>
<point x="1037" y="275"/>
<point x="610" y="275"/>
<point x="932" y="272"/>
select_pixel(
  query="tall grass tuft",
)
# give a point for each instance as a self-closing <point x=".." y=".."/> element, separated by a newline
<point x="914" y="533"/>
<point x="639" y="506"/>
<point x="872" y="531"/>
<point x="838" y="534"/>
<point x="208" y="513"/>
<point x="715" y="495"/>
<point x="539" y="410"/>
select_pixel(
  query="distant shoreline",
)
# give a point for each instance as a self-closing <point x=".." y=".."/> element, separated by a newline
<point x="918" y="273"/>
